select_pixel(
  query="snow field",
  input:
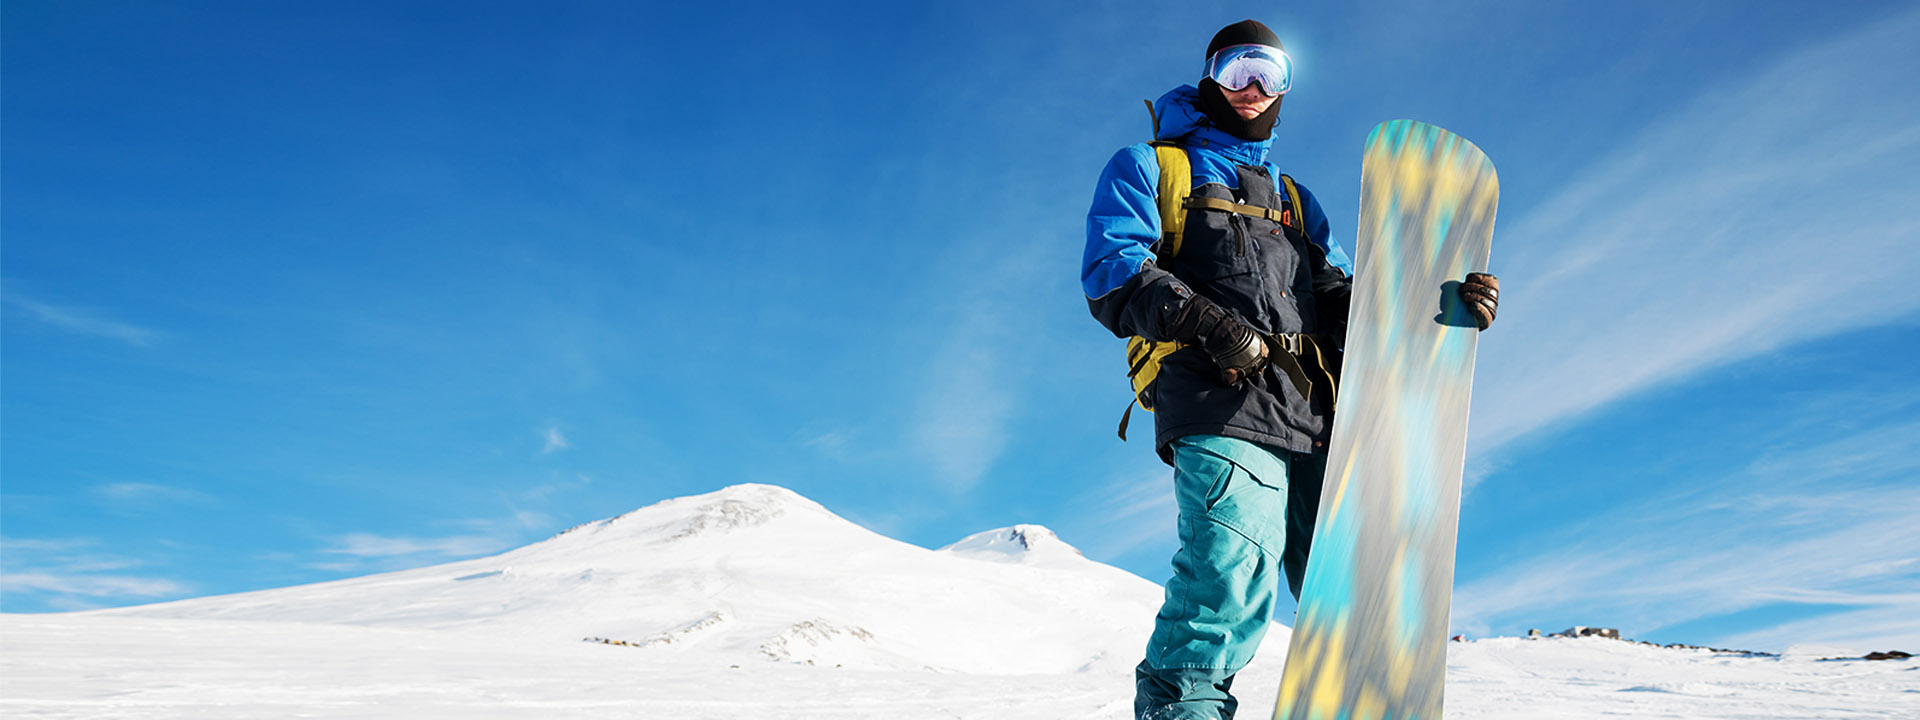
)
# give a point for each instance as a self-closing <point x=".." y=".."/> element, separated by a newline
<point x="753" y="602"/>
<point x="138" y="668"/>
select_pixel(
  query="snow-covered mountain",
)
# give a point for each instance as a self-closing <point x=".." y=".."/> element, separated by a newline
<point x="754" y="602"/>
<point x="754" y="573"/>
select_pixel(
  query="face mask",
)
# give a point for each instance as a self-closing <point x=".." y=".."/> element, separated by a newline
<point x="1213" y="104"/>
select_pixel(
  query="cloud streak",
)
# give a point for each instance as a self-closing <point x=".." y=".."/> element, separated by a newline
<point x="1131" y="512"/>
<point x="1887" y="624"/>
<point x="1771" y="212"/>
<point x="1828" y="524"/>
<point x="972" y="379"/>
<point x="76" y="575"/>
<point x="93" y="586"/>
<point x="555" y="441"/>
<point x="371" y="546"/>
<point x="963" y="413"/>
<point x="367" y="551"/>
<point x="83" y="322"/>
<point x="133" y="496"/>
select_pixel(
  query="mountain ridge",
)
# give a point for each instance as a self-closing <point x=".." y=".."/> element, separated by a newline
<point x="753" y="573"/>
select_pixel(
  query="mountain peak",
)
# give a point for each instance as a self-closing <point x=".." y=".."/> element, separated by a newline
<point x="731" y="508"/>
<point x="1022" y="543"/>
<point x="754" y="572"/>
<point x="735" y="507"/>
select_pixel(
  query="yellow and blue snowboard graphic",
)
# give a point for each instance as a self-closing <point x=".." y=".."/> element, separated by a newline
<point x="1370" y="640"/>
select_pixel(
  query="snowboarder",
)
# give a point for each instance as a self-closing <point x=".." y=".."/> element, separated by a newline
<point x="1257" y="293"/>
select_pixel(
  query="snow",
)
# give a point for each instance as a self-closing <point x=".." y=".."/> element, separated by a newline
<point x="1020" y="544"/>
<point x="754" y="602"/>
<point x="1596" y="677"/>
<point x="103" y="666"/>
<point x="751" y="573"/>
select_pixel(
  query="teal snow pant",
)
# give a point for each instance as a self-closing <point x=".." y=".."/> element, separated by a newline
<point x="1246" y="520"/>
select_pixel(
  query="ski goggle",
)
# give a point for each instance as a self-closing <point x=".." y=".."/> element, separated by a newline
<point x="1237" y="66"/>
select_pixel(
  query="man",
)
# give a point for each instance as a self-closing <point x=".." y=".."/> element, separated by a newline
<point x="1238" y="413"/>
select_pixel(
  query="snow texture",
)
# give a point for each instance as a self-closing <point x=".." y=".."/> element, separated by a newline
<point x="754" y="602"/>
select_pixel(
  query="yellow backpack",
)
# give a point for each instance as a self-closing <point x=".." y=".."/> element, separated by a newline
<point x="1174" y="198"/>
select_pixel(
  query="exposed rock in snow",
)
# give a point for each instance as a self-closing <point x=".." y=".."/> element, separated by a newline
<point x="712" y="620"/>
<point x="1584" y="631"/>
<point x="1581" y="631"/>
<point x="1028" y="544"/>
<point x="731" y="508"/>
<point x="819" y="642"/>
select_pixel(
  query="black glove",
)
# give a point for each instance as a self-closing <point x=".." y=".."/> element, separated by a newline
<point x="1236" y="348"/>
<point x="1481" y="293"/>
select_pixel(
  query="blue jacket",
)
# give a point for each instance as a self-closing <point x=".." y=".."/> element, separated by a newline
<point x="1273" y="279"/>
<point x="1124" y="223"/>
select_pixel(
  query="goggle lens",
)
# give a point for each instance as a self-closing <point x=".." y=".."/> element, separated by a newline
<point x="1238" y="66"/>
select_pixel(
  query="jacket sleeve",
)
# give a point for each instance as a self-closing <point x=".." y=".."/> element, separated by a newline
<point x="1332" y="269"/>
<point x="1125" y="291"/>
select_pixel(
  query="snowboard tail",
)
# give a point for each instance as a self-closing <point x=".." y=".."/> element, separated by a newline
<point x="1370" y="639"/>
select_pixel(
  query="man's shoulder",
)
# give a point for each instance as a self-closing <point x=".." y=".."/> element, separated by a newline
<point x="1136" y="160"/>
<point x="1140" y="151"/>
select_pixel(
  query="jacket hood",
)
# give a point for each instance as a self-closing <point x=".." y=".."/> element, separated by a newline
<point x="1179" y="119"/>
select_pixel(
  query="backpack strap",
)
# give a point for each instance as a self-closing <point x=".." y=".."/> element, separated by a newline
<point x="1288" y="215"/>
<point x="1176" y="185"/>
<point x="1296" y="214"/>
<point x="1172" y="192"/>
<point x="1207" y="203"/>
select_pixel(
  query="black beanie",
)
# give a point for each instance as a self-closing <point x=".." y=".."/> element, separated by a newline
<point x="1245" y="32"/>
<point x="1213" y="103"/>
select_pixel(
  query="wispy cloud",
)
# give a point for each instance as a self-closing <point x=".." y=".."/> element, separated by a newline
<point x="547" y="489"/>
<point x="1825" y="524"/>
<point x="133" y="496"/>
<point x="1889" y="623"/>
<point x="832" y="443"/>
<point x="370" y="545"/>
<point x="969" y="383"/>
<point x="555" y="441"/>
<point x="73" y="573"/>
<point x="511" y="525"/>
<point x="82" y="321"/>
<point x="1769" y="212"/>
<point x="373" y="552"/>
<point x="963" y="413"/>
<point x="890" y="524"/>
<point x="975" y="371"/>
<point x="1135" y="510"/>
<point x="95" y="586"/>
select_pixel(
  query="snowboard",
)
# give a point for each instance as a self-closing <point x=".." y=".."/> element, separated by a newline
<point x="1370" y="639"/>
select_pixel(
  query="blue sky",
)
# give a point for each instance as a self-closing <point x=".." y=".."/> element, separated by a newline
<point x="303" y="291"/>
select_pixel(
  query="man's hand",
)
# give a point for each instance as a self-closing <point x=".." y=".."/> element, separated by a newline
<point x="1481" y="293"/>
<point x="1236" y="348"/>
<point x="1242" y="357"/>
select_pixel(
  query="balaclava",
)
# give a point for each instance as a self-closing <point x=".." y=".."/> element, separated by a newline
<point x="1213" y="101"/>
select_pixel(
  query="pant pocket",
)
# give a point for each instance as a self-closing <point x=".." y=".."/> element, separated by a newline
<point x="1201" y="478"/>
<point x="1245" y="488"/>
